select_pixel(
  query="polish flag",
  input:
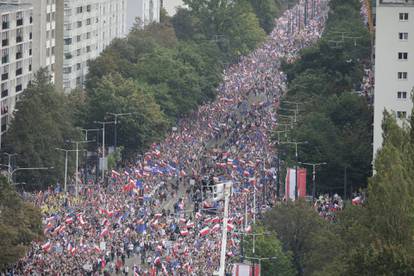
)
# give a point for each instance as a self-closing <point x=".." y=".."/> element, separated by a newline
<point x="204" y="231"/>
<point x="104" y="232"/>
<point x="215" y="220"/>
<point x="246" y="173"/>
<point x="229" y="161"/>
<point x="252" y="180"/>
<point x="215" y="228"/>
<point x="230" y="227"/>
<point x="198" y="215"/>
<point x="183" y="220"/>
<point x="69" y="220"/>
<point x="184" y="233"/>
<point x="190" y="224"/>
<point x="60" y="229"/>
<point x="47" y="246"/>
<point x="126" y="232"/>
<point x="81" y="220"/>
<point x="157" y="260"/>
<point x="115" y="174"/>
<point x="158" y="215"/>
<point x="126" y="173"/>
<point x="164" y="269"/>
<point x="97" y="248"/>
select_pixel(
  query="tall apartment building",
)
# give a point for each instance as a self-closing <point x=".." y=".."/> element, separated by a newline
<point x="44" y="34"/>
<point x="148" y="11"/>
<point x="87" y="27"/>
<point x="394" y="62"/>
<point x="16" y="56"/>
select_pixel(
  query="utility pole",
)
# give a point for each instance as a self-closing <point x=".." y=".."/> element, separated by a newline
<point x="103" y="144"/>
<point x="306" y="13"/>
<point x="314" y="165"/>
<point x="28" y="169"/>
<point x="116" y="115"/>
<point x="66" y="168"/>
<point x="296" y="163"/>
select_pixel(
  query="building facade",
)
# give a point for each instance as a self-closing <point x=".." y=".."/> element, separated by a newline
<point x="84" y="28"/>
<point x="16" y="56"/>
<point x="171" y="6"/>
<point x="148" y="11"/>
<point x="394" y="62"/>
<point x="44" y="34"/>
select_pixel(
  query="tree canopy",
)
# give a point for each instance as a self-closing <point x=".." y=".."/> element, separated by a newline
<point x="20" y="223"/>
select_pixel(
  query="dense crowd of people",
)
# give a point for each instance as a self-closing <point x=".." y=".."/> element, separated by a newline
<point x="155" y="216"/>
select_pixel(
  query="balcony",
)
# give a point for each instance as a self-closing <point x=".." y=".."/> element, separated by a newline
<point x="5" y="59"/>
<point x="4" y="93"/>
<point x="19" y="88"/>
<point x="4" y="76"/>
<point x="19" y="22"/>
<point x="5" y="42"/>
<point x="19" y="55"/>
<point x="5" y="25"/>
<point x="30" y="68"/>
<point x="19" y="71"/>
<point x="19" y="39"/>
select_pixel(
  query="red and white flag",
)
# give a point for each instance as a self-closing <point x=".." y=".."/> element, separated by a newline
<point x="47" y="246"/>
<point x="184" y="233"/>
<point x="204" y="231"/>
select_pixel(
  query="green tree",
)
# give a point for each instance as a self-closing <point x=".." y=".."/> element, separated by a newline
<point x="118" y="95"/>
<point x="20" y="224"/>
<point x="378" y="237"/>
<point x="268" y="246"/>
<point x="303" y="233"/>
<point x="266" y="11"/>
<point x="41" y="124"/>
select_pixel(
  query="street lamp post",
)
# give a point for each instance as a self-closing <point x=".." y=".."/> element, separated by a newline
<point x="116" y="115"/>
<point x="86" y="153"/>
<point x="29" y="169"/>
<point x="77" y="163"/>
<point x="296" y="163"/>
<point x="66" y="167"/>
<point x="314" y="165"/>
<point x="9" y="156"/>
<point x="103" y="143"/>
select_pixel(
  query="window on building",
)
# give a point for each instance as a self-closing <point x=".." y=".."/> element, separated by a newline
<point x="403" y="36"/>
<point x="78" y="66"/>
<point x="402" y="95"/>
<point x="88" y="35"/>
<point x="88" y="21"/>
<point x="5" y="56"/>
<point x="5" y="21"/>
<point x="79" y="24"/>
<point x="402" y="75"/>
<point x="88" y="49"/>
<point x="88" y="8"/>
<point x="48" y="17"/>
<point x="78" y="38"/>
<point x="403" y="16"/>
<point x="401" y="114"/>
<point x="67" y="70"/>
<point x="79" y="9"/>
<point x="78" y="52"/>
<point x="402" y="55"/>
<point x="19" y="18"/>
<point x="68" y="41"/>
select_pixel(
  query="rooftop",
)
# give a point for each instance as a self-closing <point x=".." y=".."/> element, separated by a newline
<point x="10" y="7"/>
<point x="396" y="2"/>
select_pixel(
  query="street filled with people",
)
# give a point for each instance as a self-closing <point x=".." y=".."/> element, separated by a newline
<point x="157" y="214"/>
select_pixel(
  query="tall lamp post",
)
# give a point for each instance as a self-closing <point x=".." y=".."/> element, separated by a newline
<point x="116" y="115"/>
<point x="29" y="169"/>
<point x="66" y="167"/>
<point x="86" y="154"/>
<point x="296" y="163"/>
<point x="103" y="143"/>
<point x="77" y="163"/>
<point x="9" y="156"/>
<point x="314" y="165"/>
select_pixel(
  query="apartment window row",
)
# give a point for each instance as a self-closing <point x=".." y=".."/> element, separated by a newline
<point x="402" y="75"/>
<point x="50" y="17"/>
<point x="401" y="95"/>
<point x="82" y="9"/>
<point x="401" y="114"/>
<point x="19" y="70"/>
<point x="403" y="36"/>
<point x="403" y="16"/>
<point x="5" y="19"/>
<point x="403" y="56"/>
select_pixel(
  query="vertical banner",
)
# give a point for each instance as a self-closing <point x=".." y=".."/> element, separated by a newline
<point x="290" y="183"/>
